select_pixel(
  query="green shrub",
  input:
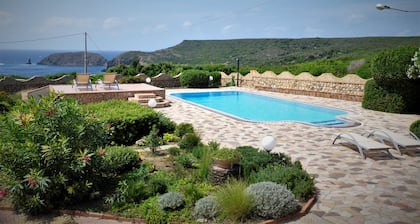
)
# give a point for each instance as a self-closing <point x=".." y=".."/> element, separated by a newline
<point x="297" y="180"/>
<point x="271" y="200"/>
<point x="195" y="78"/>
<point x="207" y="208"/>
<point x="174" y="151"/>
<point x="7" y="101"/>
<point x="189" y="141"/>
<point x="169" y="137"/>
<point x="378" y="98"/>
<point x="128" y="122"/>
<point x="183" y="128"/>
<point x="137" y="186"/>
<point x="49" y="152"/>
<point x="121" y="158"/>
<point x="389" y="70"/>
<point x="153" y="140"/>
<point x="171" y="201"/>
<point x="157" y="184"/>
<point x="236" y="203"/>
<point x="415" y="128"/>
<point x="252" y="159"/>
<point x="204" y="163"/>
<point x="389" y="66"/>
<point x="186" y="160"/>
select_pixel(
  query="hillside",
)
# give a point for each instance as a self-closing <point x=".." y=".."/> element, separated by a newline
<point x="257" y="52"/>
<point x="73" y="59"/>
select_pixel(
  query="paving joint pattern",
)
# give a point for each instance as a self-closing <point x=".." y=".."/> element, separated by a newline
<point x="351" y="190"/>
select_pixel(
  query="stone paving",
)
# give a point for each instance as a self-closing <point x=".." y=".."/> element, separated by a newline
<point x="378" y="189"/>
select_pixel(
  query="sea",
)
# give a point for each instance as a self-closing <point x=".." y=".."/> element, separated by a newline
<point x="15" y="62"/>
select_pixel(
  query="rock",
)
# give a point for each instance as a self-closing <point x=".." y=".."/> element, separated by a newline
<point x="73" y="59"/>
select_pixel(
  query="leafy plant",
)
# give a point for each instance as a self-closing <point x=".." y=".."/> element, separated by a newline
<point x="120" y="158"/>
<point x="205" y="162"/>
<point x="174" y="151"/>
<point x="183" y="128"/>
<point x="378" y="98"/>
<point x="297" y="180"/>
<point x="236" y="203"/>
<point x="171" y="201"/>
<point x="169" y="137"/>
<point x="186" y="160"/>
<point x="271" y="200"/>
<point x="49" y="152"/>
<point x="231" y="155"/>
<point x="415" y="128"/>
<point x="189" y="141"/>
<point x="7" y="101"/>
<point x="153" y="140"/>
<point x="207" y="208"/>
<point x="128" y="122"/>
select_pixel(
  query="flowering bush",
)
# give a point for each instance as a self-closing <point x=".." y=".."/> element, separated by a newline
<point x="49" y="154"/>
<point x="413" y="71"/>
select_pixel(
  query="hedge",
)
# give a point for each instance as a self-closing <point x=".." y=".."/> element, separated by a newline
<point x="380" y="99"/>
<point x="128" y="122"/>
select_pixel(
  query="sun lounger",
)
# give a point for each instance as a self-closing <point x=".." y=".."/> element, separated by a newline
<point x="110" y="79"/>
<point x="362" y="143"/>
<point x="398" y="140"/>
<point x="82" y="79"/>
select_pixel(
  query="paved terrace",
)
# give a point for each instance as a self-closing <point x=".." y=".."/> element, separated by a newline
<point x="351" y="190"/>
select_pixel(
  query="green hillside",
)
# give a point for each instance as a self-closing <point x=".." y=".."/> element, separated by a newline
<point x="264" y="52"/>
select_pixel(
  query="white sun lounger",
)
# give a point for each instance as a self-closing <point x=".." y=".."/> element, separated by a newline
<point x="363" y="144"/>
<point x="398" y="140"/>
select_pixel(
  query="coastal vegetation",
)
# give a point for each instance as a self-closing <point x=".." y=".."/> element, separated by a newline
<point x="264" y="52"/>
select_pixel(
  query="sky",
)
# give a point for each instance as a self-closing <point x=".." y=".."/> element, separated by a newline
<point x="149" y="25"/>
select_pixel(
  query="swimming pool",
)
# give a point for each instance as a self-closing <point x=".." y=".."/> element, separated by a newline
<point x="260" y="108"/>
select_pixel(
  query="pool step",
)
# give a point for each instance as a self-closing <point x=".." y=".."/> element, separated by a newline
<point x="332" y="123"/>
<point x="143" y="99"/>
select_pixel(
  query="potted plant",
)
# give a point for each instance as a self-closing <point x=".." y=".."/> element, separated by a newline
<point x="225" y="157"/>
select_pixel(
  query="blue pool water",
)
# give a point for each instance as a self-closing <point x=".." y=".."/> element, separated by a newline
<point x="260" y="108"/>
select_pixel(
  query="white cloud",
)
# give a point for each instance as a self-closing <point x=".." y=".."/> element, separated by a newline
<point x="227" y="28"/>
<point x="113" y="22"/>
<point x="187" y="24"/>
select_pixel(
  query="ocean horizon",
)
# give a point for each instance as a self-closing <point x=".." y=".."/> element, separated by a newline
<point x="14" y="62"/>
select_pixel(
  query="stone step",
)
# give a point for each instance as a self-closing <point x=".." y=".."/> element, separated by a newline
<point x="145" y="100"/>
<point x="144" y="95"/>
<point x="158" y="104"/>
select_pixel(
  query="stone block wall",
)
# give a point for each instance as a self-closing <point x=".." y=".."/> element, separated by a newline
<point x="350" y="87"/>
<point x="92" y="97"/>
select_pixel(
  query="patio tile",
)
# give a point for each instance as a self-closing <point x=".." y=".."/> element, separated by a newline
<point x="352" y="190"/>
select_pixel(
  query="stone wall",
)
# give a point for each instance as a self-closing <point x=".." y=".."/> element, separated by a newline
<point x="13" y="85"/>
<point x="92" y="97"/>
<point x="350" y="87"/>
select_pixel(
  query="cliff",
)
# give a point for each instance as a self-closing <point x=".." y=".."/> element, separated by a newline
<point x="73" y="59"/>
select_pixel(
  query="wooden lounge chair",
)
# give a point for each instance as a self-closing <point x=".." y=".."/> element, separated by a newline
<point x="398" y="140"/>
<point x="82" y="79"/>
<point x="362" y="143"/>
<point x="110" y="79"/>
